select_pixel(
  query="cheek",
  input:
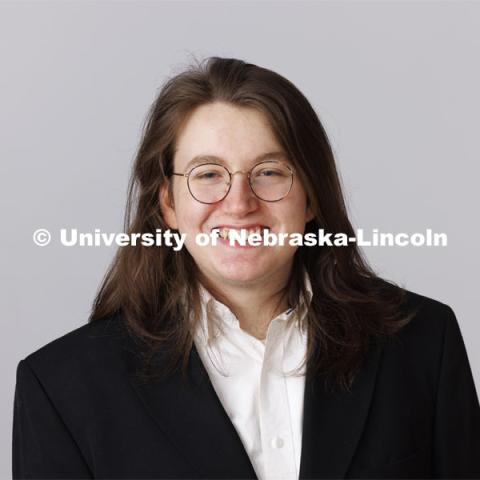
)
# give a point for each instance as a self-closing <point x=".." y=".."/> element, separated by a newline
<point x="192" y="216"/>
<point x="299" y="205"/>
<point x="295" y="211"/>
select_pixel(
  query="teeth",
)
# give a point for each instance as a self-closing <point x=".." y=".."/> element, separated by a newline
<point x="225" y="232"/>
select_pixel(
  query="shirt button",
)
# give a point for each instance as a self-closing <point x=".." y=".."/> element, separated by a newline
<point x="276" y="442"/>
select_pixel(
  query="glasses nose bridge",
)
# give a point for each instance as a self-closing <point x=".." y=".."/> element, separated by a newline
<point x="247" y="175"/>
<point x="245" y="172"/>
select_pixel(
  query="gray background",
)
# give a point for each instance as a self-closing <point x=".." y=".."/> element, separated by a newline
<point x="396" y="85"/>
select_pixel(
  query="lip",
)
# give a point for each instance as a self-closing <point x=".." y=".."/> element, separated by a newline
<point x="236" y="246"/>
<point x="226" y="243"/>
<point x="240" y="227"/>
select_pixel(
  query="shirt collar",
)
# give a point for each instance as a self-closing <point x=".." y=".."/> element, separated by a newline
<point x="217" y="318"/>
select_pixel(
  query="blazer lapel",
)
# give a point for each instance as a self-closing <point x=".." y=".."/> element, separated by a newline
<point x="190" y="414"/>
<point x="333" y="423"/>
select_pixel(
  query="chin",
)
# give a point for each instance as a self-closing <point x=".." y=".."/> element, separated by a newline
<point x="242" y="274"/>
<point x="243" y="270"/>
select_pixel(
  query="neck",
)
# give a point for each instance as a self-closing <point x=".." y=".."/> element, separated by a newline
<point x="255" y="307"/>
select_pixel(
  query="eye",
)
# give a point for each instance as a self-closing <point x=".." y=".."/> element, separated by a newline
<point x="207" y="175"/>
<point x="268" y="173"/>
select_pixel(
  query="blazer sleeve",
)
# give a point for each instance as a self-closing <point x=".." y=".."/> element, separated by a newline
<point x="42" y="444"/>
<point x="456" y="451"/>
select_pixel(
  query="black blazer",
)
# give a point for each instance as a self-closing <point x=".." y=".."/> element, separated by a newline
<point x="413" y="412"/>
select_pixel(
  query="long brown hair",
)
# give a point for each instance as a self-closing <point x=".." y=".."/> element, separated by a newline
<point x="156" y="289"/>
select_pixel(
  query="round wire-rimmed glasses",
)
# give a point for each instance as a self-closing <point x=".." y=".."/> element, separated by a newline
<point x="269" y="181"/>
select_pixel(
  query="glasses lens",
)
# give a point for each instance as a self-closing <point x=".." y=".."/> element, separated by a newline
<point x="271" y="181"/>
<point x="208" y="183"/>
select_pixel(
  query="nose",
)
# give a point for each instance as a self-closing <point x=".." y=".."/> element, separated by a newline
<point x="240" y="199"/>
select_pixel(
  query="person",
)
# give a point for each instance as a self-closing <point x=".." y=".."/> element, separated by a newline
<point x="238" y="361"/>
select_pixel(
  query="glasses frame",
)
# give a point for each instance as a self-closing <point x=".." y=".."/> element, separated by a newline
<point x="231" y="174"/>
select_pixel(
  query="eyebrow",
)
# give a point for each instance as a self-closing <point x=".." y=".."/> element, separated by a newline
<point x="199" y="159"/>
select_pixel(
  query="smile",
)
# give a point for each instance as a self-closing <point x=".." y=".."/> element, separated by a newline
<point x="228" y="233"/>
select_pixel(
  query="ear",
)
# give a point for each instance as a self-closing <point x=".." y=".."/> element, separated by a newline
<point x="166" y="206"/>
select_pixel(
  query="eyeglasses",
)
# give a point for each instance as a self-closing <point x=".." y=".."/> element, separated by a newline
<point x="269" y="181"/>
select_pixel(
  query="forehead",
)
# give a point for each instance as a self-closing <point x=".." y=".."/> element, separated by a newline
<point x="234" y="135"/>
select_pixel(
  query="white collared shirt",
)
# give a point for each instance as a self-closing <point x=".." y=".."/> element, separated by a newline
<point x="264" y="403"/>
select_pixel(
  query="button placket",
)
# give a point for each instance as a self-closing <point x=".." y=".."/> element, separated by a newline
<point x="275" y="422"/>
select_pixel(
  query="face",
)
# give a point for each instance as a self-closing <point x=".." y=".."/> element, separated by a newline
<point x="237" y="137"/>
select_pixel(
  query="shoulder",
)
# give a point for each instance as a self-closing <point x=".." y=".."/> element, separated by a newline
<point x="75" y="387"/>
<point x="430" y="318"/>
<point x="427" y="305"/>
<point x="431" y="338"/>
<point x="89" y="350"/>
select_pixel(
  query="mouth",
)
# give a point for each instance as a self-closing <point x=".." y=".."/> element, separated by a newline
<point x="231" y="233"/>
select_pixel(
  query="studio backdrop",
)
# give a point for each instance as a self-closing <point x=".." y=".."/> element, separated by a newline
<point x="395" y="84"/>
